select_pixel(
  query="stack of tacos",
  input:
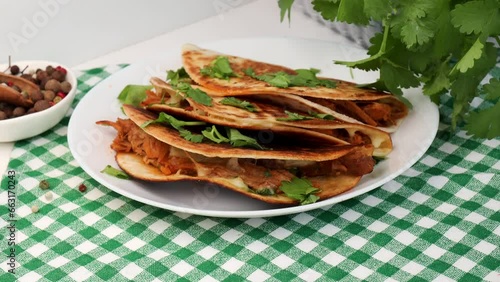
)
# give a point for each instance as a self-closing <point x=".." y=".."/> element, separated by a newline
<point x="269" y="132"/>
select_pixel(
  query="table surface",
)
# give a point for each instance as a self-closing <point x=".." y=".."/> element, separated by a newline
<point x="438" y="221"/>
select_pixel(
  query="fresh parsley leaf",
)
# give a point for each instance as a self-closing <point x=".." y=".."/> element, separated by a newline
<point x="237" y="139"/>
<point x="235" y="102"/>
<point x="172" y="121"/>
<point x="321" y="116"/>
<point x="484" y="123"/>
<point x="293" y="117"/>
<point x="180" y="75"/>
<point x="133" y="94"/>
<point x="213" y="134"/>
<point x="189" y="136"/>
<point x="115" y="172"/>
<point x="219" y="68"/>
<point x="300" y="189"/>
<point x="198" y="95"/>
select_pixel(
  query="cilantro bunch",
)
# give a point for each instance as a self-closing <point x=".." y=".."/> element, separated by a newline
<point x="448" y="46"/>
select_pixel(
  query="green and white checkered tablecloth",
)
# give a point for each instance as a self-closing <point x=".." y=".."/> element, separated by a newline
<point x="438" y="221"/>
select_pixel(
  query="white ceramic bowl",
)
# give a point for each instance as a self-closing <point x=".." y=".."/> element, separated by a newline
<point x="27" y="126"/>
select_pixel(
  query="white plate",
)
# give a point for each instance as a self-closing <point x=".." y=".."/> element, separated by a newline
<point x="89" y="143"/>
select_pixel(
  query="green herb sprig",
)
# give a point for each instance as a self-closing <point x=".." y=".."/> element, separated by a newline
<point x="219" y="68"/>
<point x="446" y="46"/>
<point x="300" y="189"/>
<point x="281" y="79"/>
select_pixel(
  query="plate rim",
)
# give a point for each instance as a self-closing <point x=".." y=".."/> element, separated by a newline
<point x="247" y="213"/>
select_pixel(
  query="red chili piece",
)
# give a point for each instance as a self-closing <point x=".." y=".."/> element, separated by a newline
<point x="61" y="94"/>
<point x="10" y="83"/>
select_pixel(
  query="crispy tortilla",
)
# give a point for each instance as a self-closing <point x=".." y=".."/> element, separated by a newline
<point x="158" y="153"/>
<point x="302" y="151"/>
<point x="134" y="166"/>
<point x="345" y="97"/>
<point x="270" y="114"/>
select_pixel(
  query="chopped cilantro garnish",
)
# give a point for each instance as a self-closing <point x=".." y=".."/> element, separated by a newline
<point x="115" y="172"/>
<point x="293" y="117"/>
<point x="267" y="173"/>
<point x="281" y="79"/>
<point x="237" y="139"/>
<point x="321" y="116"/>
<point x="300" y="189"/>
<point x="235" y="102"/>
<point x="172" y="121"/>
<point x="213" y="134"/>
<point x="189" y="136"/>
<point x="133" y="94"/>
<point x="219" y="68"/>
<point x="180" y="75"/>
<point x="199" y="96"/>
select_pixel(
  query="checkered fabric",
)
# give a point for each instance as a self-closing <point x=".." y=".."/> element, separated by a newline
<point x="438" y="221"/>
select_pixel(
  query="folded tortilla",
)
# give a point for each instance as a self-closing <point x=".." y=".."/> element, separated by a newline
<point x="158" y="153"/>
<point x="270" y="113"/>
<point x="360" y="105"/>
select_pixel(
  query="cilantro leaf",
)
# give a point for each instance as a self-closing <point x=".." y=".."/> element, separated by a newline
<point x="293" y="117"/>
<point x="378" y="9"/>
<point x="475" y="16"/>
<point x="133" y="94"/>
<point x="172" y="121"/>
<point x="300" y="189"/>
<point x="321" y="116"/>
<point x="285" y="7"/>
<point x="467" y="61"/>
<point x="264" y="191"/>
<point x="115" y="172"/>
<point x="484" y="123"/>
<point x="198" y="95"/>
<point x="440" y="80"/>
<point x="349" y="12"/>
<point x="392" y="77"/>
<point x="219" y="68"/>
<point x="213" y="134"/>
<point x="304" y="77"/>
<point x="235" y="102"/>
<point x="329" y="9"/>
<point x="492" y="89"/>
<point x="410" y="22"/>
<point x="180" y="75"/>
<point x="237" y="139"/>
<point x="189" y="136"/>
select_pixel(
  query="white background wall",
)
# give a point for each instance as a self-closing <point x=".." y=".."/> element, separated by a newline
<point x="75" y="31"/>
